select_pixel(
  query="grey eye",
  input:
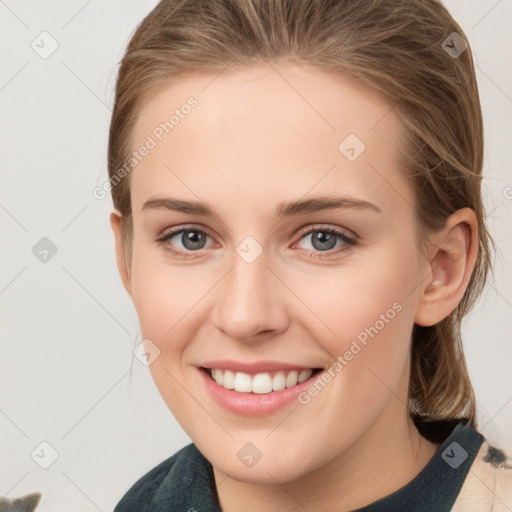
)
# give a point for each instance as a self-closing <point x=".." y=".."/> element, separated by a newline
<point x="192" y="240"/>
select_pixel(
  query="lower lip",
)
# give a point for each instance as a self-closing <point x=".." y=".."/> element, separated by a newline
<point x="254" y="404"/>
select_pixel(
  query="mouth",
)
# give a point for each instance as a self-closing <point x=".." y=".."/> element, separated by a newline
<point x="259" y="383"/>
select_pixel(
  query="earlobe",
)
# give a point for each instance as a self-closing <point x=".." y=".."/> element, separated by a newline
<point x="452" y="259"/>
<point x="115" y="223"/>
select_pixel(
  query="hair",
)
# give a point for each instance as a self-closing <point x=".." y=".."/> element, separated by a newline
<point x="393" y="47"/>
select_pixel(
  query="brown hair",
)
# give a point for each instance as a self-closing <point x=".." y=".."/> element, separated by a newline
<point x="393" y="46"/>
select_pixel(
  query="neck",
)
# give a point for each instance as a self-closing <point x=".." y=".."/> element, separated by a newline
<point x="387" y="456"/>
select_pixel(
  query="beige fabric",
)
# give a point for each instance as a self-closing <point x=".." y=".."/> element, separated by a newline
<point x="488" y="486"/>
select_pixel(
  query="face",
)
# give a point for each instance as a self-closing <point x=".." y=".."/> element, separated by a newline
<point x="274" y="243"/>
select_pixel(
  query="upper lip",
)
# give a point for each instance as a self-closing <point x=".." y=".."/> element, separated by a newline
<point x="254" y="367"/>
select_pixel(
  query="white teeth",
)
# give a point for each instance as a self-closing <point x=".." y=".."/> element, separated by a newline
<point x="291" y="379"/>
<point x="217" y="376"/>
<point x="229" y="379"/>
<point x="304" y="375"/>
<point x="261" y="383"/>
<point x="243" y="382"/>
<point x="279" y="381"/>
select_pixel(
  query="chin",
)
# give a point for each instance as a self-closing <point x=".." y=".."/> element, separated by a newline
<point x="267" y="470"/>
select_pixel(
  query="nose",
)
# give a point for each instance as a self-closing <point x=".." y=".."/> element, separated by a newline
<point x="250" y="302"/>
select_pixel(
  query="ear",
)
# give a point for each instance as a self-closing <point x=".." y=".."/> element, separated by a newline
<point x="115" y="223"/>
<point x="451" y="260"/>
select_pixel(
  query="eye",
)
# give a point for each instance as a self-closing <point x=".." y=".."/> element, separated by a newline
<point x="184" y="240"/>
<point x="326" y="239"/>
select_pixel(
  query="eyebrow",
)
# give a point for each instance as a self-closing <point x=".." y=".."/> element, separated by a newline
<point x="283" y="209"/>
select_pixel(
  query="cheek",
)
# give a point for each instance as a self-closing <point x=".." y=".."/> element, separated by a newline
<point x="164" y="301"/>
<point x="162" y="294"/>
<point x="377" y="312"/>
<point x="367" y="315"/>
<point x="171" y="305"/>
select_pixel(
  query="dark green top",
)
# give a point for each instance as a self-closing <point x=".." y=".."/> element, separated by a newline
<point x="185" y="481"/>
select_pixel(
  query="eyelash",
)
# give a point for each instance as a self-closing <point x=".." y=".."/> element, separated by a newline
<point x="347" y="240"/>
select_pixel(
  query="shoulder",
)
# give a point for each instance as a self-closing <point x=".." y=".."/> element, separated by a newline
<point x="142" y="492"/>
<point x="488" y="485"/>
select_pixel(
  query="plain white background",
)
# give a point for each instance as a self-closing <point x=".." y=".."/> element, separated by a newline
<point x="68" y="327"/>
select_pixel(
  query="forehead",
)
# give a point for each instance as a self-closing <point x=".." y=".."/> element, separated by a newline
<point x="275" y="130"/>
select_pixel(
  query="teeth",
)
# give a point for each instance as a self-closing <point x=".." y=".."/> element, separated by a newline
<point x="229" y="379"/>
<point x="304" y="375"/>
<point x="261" y="383"/>
<point x="291" y="379"/>
<point x="243" y="382"/>
<point x="217" y="376"/>
<point x="279" y="381"/>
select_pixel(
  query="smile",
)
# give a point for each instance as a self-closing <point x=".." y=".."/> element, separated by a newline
<point x="260" y="383"/>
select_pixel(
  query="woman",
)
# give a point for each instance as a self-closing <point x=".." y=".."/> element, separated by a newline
<point x="299" y="223"/>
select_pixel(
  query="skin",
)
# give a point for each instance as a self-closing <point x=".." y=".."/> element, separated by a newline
<point x="259" y="137"/>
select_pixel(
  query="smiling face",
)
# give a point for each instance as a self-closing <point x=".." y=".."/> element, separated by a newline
<point x="300" y="252"/>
